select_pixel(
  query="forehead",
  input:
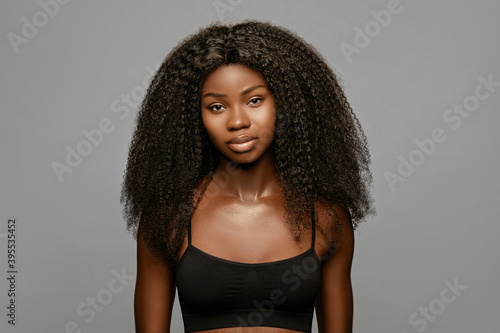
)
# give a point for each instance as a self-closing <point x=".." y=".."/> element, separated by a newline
<point x="232" y="76"/>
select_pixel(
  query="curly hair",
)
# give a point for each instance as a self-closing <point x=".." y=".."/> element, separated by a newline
<point x="321" y="151"/>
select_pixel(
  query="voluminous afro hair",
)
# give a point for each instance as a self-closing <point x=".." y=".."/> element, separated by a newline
<point x="321" y="152"/>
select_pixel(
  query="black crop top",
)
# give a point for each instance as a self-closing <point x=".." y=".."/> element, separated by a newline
<point x="217" y="293"/>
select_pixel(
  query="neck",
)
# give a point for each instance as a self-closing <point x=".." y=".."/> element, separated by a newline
<point x="247" y="182"/>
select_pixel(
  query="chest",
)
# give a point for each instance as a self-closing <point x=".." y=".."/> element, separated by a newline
<point x="212" y="288"/>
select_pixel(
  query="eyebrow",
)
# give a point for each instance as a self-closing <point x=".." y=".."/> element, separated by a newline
<point x="246" y="91"/>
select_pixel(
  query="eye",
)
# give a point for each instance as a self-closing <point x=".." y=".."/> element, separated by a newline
<point x="255" y="100"/>
<point x="216" y="107"/>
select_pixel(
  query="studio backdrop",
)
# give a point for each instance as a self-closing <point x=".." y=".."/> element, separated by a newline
<point x="423" y="78"/>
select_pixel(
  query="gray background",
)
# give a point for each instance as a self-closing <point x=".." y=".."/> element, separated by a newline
<point x="440" y="223"/>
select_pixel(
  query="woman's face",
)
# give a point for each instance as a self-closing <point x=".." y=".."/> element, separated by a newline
<point x="238" y="113"/>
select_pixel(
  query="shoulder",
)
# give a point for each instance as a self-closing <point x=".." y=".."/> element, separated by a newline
<point x="335" y="224"/>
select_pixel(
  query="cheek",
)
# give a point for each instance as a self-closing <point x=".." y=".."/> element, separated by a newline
<point x="267" y="128"/>
<point x="210" y="126"/>
<point x="212" y="135"/>
<point x="215" y="135"/>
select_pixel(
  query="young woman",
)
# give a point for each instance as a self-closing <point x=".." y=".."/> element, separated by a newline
<point x="246" y="176"/>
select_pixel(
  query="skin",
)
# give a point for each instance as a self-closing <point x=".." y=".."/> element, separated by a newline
<point x="243" y="210"/>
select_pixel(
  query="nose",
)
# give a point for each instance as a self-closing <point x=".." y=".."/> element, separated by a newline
<point x="238" y="119"/>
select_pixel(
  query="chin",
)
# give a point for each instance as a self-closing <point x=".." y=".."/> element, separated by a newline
<point x="242" y="158"/>
<point x="243" y="161"/>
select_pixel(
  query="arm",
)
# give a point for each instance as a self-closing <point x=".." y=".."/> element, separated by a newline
<point x="154" y="292"/>
<point x="334" y="304"/>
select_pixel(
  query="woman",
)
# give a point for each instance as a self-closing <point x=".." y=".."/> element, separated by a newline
<point x="247" y="174"/>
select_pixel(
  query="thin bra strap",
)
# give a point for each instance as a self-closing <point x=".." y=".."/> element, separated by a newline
<point x="313" y="228"/>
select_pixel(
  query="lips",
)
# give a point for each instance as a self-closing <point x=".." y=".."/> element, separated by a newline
<point x="243" y="143"/>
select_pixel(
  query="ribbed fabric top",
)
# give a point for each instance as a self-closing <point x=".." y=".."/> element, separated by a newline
<point x="217" y="293"/>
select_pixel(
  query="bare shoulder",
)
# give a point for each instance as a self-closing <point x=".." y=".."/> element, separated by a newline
<point x="335" y="225"/>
